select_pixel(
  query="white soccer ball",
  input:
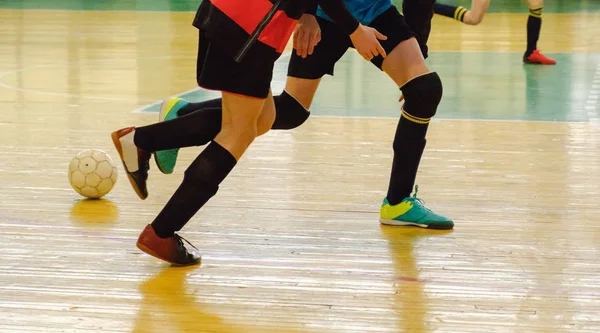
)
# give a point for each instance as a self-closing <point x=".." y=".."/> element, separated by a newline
<point x="92" y="173"/>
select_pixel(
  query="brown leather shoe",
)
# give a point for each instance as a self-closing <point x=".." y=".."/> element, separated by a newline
<point x="171" y="250"/>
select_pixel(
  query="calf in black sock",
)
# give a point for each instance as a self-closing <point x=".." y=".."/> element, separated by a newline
<point x="421" y="98"/>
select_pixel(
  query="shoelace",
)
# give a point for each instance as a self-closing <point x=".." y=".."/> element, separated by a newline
<point x="419" y="200"/>
<point x="179" y="238"/>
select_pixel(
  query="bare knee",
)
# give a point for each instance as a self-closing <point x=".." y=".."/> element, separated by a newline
<point x="243" y="131"/>
<point x="239" y="124"/>
<point x="303" y="90"/>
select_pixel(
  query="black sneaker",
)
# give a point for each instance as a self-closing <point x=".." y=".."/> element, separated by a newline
<point x="135" y="160"/>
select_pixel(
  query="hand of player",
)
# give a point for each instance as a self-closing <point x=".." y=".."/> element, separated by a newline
<point x="306" y="35"/>
<point x="366" y="42"/>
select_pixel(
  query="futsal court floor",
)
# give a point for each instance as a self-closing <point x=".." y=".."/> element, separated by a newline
<point x="292" y="242"/>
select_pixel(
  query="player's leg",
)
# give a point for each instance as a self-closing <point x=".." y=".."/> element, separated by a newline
<point x="305" y="73"/>
<point x="202" y="179"/>
<point x="472" y="16"/>
<point x="247" y="110"/>
<point x="422" y="91"/>
<point x="290" y="114"/>
<point x="208" y="116"/>
<point x="291" y="106"/>
<point x="266" y="117"/>
<point x="194" y="129"/>
<point x="209" y="124"/>
<point x="534" y="25"/>
<point x="212" y="110"/>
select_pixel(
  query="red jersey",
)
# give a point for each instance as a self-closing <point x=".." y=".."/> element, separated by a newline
<point x="235" y="26"/>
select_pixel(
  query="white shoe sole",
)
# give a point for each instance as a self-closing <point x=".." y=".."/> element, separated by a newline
<point x="401" y="223"/>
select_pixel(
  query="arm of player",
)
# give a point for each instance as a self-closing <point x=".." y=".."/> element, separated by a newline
<point x="364" y="39"/>
<point x="307" y="35"/>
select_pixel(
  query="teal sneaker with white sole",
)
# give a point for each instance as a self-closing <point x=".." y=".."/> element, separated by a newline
<point x="166" y="159"/>
<point x="412" y="212"/>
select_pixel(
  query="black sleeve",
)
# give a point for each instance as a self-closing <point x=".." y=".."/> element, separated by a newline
<point x="311" y="7"/>
<point x="339" y="14"/>
<point x="418" y="15"/>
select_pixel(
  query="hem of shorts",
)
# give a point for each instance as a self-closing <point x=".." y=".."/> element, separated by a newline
<point x="232" y="92"/>
<point x="308" y="77"/>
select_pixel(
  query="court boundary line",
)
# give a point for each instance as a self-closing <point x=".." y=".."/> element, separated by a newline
<point x="592" y="100"/>
<point x="592" y="116"/>
<point x="439" y="119"/>
<point x="69" y="64"/>
<point x="591" y="119"/>
<point x="436" y="119"/>
<point x="140" y="110"/>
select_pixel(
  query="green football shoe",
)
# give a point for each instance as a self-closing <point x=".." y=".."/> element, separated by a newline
<point x="166" y="159"/>
<point x="411" y="211"/>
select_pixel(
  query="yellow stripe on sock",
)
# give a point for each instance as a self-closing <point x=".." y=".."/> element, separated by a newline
<point x="417" y="120"/>
<point x="461" y="16"/>
<point x="459" y="13"/>
<point x="536" y="12"/>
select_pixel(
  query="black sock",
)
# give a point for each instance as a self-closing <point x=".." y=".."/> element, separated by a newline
<point x="407" y="156"/>
<point x="200" y="183"/>
<point x="193" y="129"/>
<point x="534" y="25"/>
<point x="422" y="96"/>
<point x="455" y="12"/>
<point x="197" y="127"/>
<point x="192" y="107"/>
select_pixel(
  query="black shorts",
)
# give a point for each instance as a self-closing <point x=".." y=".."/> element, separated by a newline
<point x="215" y="70"/>
<point x="335" y="43"/>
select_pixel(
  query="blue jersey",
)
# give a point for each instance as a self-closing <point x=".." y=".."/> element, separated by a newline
<point x="365" y="11"/>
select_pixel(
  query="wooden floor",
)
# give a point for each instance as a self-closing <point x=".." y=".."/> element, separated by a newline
<point x="292" y="241"/>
